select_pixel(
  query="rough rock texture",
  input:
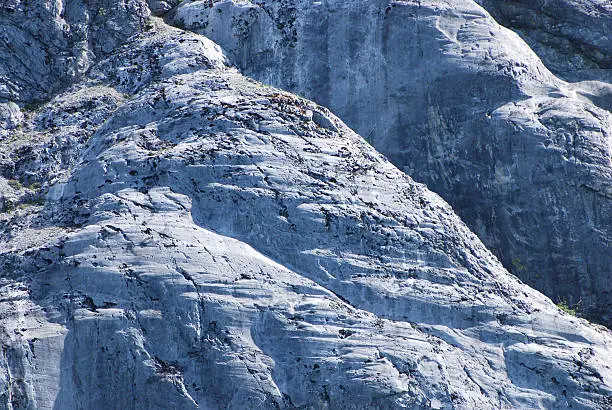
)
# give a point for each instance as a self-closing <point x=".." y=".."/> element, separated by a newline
<point x="47" y="44"/>
<point x="10" y="115"/>
<point x="463" y="104"/>
<point x="572" y="37"/>
<point x="179" y="236"/>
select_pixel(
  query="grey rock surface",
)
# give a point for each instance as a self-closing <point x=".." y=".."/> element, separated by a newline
<point x="464" y="105"/>
<point x="47" y="44"/>
<point x="572" y="37"/>
<point x="10" y="115"/>
<point x="161" y="7"/>
<point x="199" y="240"/>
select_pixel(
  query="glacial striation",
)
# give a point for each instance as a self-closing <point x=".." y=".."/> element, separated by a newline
<point x="463" y="104"/>
<point x="175" y="235"/>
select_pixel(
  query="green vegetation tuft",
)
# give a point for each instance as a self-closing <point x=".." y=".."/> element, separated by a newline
<point x="15" y="184"/>
<point x="518" y="264"/>
<point x="572" y="310"/>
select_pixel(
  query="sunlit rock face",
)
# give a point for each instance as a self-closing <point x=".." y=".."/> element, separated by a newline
<point x="463" y="104"/>
<point x="47" y="44"/>
<point x="176" y="235"/>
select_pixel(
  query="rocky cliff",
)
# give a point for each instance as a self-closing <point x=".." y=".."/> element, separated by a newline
<point x="572" y="37"/>
<point x="46" y="44"/>
<point x="177" y="235"/>
<point x="463" y="104"/>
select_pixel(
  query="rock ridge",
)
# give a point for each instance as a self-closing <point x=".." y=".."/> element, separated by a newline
<point x="464" y="105"/>
<point x="177" y="235"/>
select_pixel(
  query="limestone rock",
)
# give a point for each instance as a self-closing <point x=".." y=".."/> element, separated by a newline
<point x="10" y="115"/>
<point x="573" y="37"/>
<point x="161" y="7"/>
<point x="47" y="44"/>
<point x="210" y="242"/>
<point x="464" y="105"/>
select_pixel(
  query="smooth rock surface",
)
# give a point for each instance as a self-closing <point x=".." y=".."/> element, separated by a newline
<point x="204" y="241"/>
<point x="464" y="105"/>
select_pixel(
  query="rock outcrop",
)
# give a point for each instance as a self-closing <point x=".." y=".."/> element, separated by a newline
<point x="176" y="235"/>
<point x="572" y="37"/>
<point x="464" y="105"/>
<point x="47" y="44"/>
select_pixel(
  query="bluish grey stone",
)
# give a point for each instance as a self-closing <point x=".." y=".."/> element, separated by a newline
<point x="467" y="107"/>
<point x="204" y="241"/>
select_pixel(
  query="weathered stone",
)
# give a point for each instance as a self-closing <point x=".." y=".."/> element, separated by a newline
<point x="216" y="243"/>
<point x="572" y="37"/>
<point x="160" y="7"/>
<point x="463" y="104"/>
<point x="10" y="115"/>
<point x="45" y="45"/>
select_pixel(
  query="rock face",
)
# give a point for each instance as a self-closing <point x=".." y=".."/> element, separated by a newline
<point x="571" y="36"/>
<point x="463" y="104"/>
<point x="176" y="235"/>
<point x="46" y="44"/>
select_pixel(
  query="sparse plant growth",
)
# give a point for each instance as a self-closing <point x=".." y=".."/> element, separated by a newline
<point x="7" y="205"/>
<point x="35" y="186"/>
<point x="573" y="310"/>
<point x="15" y="184"/>
<point x="518" y="265"/>
<point x="174" y="234"/>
